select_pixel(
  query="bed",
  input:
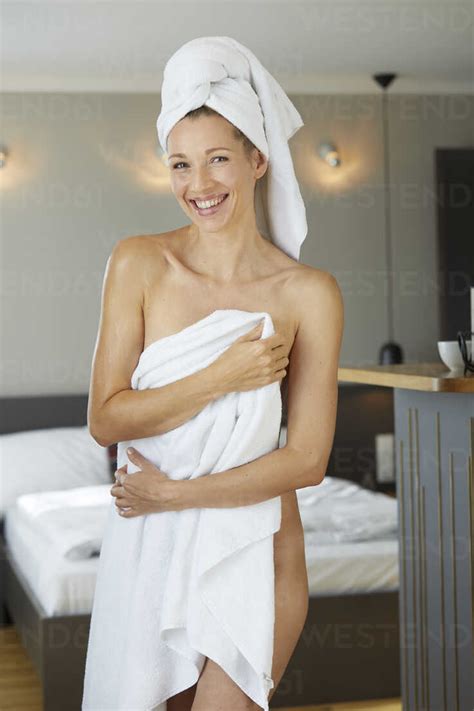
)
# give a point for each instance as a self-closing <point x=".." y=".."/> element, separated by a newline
<point x="349" y="648"/>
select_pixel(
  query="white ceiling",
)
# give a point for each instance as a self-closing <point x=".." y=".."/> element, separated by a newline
<point x="316" y="46"/>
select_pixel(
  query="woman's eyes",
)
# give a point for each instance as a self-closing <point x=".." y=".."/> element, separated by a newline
<point x="175" y="167"/>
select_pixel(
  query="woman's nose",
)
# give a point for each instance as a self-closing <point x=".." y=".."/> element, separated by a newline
<point x="200" y="182"/>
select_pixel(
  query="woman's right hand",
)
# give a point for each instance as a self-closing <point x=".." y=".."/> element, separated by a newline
<point x="251" y="362"/>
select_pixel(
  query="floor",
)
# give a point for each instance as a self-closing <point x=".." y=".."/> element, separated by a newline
<point x="20" y="689"/>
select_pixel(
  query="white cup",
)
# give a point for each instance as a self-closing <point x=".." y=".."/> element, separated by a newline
<point x="450" y="354"/>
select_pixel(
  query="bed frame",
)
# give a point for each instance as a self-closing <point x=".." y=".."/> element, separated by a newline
<point x="348" y="650"/>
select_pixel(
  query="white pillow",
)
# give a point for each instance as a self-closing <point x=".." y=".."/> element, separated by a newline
<point x="49" y="459"/>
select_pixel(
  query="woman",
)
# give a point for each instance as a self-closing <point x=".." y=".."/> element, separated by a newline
<point x="156" y="286"/>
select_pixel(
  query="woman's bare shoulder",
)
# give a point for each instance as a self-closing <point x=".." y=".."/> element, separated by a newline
<point x="298" y="273"/>
<point x="306" y="277"/>
<point x="311" y="287"/>
<point x="135" y="252"/>
<point x="136" y="245"/>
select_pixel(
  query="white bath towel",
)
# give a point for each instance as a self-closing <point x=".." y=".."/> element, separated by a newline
<point x="176" y="587"/>
<point x="226" y="76"/>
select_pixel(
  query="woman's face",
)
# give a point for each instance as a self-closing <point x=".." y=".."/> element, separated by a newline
<point x="212" y="164"/>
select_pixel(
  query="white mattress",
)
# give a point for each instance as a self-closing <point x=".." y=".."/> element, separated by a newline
<point x="345" y="568"/>
<point x="61" y="586"/>
<point x="65" y="587"/>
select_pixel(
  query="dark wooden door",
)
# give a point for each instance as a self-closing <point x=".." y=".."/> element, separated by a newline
<point x="455" y="203"/>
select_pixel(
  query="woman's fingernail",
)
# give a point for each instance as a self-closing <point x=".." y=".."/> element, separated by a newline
<point x="130" y="450"/>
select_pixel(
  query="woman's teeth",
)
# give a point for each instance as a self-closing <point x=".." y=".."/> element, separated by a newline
<point x="209" y="203"/>
<point x="206" y="205"/>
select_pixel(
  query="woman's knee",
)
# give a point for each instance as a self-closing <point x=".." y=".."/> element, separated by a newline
<point x="216" y="691"/>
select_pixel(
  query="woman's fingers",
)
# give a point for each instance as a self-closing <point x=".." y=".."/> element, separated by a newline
<point x="118" y="472"/>
<point x="122" y="503"/>
<point x="282" y="361"/>
<point x="121" y="494"/>
<point x="274" y="341"/>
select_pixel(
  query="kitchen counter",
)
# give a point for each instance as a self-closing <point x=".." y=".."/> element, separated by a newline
<point x="432" y="377"/>
<point x="434" y="453"/>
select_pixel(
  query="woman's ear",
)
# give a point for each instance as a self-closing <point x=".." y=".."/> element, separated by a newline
<point x="261" y="164"/>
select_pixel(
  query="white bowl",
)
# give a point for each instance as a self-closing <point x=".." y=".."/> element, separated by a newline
<point x="450" y="354"/>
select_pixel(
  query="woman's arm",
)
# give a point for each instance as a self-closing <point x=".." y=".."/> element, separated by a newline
<point x="117" y="413"/>
<point x="312" y="409"/>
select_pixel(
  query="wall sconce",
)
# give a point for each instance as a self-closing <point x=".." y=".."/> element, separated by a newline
<point x="328" y="152"/>
<point x="3" y="156"/>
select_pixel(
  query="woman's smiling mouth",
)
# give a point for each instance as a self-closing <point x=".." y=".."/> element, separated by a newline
<point x="213" y="207"/>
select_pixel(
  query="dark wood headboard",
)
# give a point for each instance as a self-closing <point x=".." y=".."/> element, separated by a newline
<point x="40" y="411"/>
<point x="363" y="412"/>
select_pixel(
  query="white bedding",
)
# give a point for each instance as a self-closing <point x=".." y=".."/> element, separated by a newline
<point x="341" y="511"/>
<point x="47" y="460"/>
<point x="65" y="586"/>
<point x="73" y="520"/>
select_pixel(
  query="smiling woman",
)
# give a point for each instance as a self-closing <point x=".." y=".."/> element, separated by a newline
<point x="202" y="589"/>
<point x="207" y="181"/>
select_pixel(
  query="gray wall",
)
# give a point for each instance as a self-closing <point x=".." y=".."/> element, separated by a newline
<point x="82" y="173"/>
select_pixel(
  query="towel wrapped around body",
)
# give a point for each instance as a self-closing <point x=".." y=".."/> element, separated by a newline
<point x="175" y="587"/>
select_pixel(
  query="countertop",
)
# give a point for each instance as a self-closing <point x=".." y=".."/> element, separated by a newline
<point x="434" y="377"/>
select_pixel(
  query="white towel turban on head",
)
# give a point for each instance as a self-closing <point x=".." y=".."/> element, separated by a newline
<point x="222" y="74"/>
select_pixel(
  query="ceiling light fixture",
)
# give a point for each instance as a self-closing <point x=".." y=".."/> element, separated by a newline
<point x="390" y="352"/>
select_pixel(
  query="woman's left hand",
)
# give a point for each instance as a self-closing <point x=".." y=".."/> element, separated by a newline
<point x="148" y="490"/>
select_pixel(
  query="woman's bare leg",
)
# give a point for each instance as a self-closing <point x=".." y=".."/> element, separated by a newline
<point x="216" y="691"/>
<point x="291" y="610"/>
<point x="291" y="587"/>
